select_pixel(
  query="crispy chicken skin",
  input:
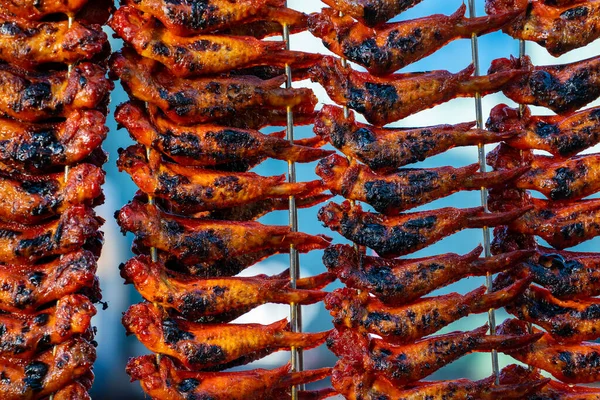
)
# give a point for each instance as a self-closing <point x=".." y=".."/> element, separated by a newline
<point x="226" y="297"/>
<point x="571" y="363"/>
<point x="33" y="97"/>
<point x="195" y="189"/>
<point x="204" y="99"/>
<point x="209" y="145"/>
<point x="562" y="136"/>
<point x="389" y="99"/>
<point x="201" y="54"/>
<point x="387" y="48"/>
<point x="387" y="149"/>
<point x="394" y="236"/>
<point x="562" y="88"/>
<point x="25" y="288"/>
<point x="559" y="28"/>
<point x="201" y="346"/>
<point x="45" y="374"/>
<point x="25" y="335"/>
<point x="372" y="12"/>
<point x="405" y="324"/>
<point x="29" y="44"/>
<point x="405" y="188"/>
<point x="197" y="240"/>
<point x="398" y="282"/>
<point x="405" y="364"/>
<point x="36" y="10"/>
<point x="74" y="391"/>
<point x="162" y="380"/>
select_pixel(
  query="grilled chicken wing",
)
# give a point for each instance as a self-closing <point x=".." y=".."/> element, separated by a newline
<point x="50" y="371"/>
<point x="74" y="391"/>
<point x="24" y="335"/>
<point x="194" y="189"/>
<point x="204" y="99"/>
<point x="398" y="282"/>
<point x="36" y="96"/>
<point x="394" y="236"/>
<point x="387" y="48"/>
<point x="389" y="99"/>
<point x="372" y="12"/>
<point x="29" y="44"/>
<point x="202" y="54"/>
<point x="559" y="28"/>
<point x="36" y="10"/>
<point x="26" y="288"/>
<point x="387" y="149"/>
<point x="408" y="323"/>
<point x="197" y="240"/>
<point x="571" y="363"/>
<point x="405" y="188"/>
<point x="224" y="297"/>
<point x="405" y="364"/>
<point x="561" y="88"/>
<point x="562" y="136"/>
<point x="202" y="346"/>
<point x="162" y="380"/>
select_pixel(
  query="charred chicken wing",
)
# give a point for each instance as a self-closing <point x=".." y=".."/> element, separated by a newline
<point x="372" y="12"/>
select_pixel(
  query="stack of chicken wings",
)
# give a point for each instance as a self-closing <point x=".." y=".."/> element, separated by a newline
<point x="54" y="94"/>
<point x="202" y="84"/>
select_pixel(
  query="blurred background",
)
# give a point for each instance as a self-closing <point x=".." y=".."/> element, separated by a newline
<point x="115" y="348"/>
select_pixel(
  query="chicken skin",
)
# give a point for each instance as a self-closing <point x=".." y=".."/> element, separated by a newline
<point x="197" y="240"/>
<point x="394" y="236"/>
<point x="162" y="380"/>
<point x="204" y="346"/>
<point x="201" y="54"/>
<point x="35" y="10"/>
<point x="389" y="99"/>
<point x="405" y="188"/>
<point x="387" y="149"/>
<point x="399" y="282"/>
<point x="559" y="28"/>
<point x="223" y="298"/>
<point x="25" y="335"/>
<point x="372" y="12"/>
<point x="74" y="391"/>
<point x="562" y="136"/>
<point x="387" y="48"/>
<point x="562" y="88"/>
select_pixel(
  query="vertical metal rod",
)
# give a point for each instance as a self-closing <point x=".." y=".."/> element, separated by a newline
<point x="484" y="194"/>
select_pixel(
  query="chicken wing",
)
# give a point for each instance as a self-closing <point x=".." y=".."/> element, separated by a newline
<point x="74" y="391"/>
<point x="201" y="54"/>
<point x="37" y="96"/>
<point x="562" y="88"/>
<point x="398" y="282"/>
<point x="226" y="298"/>
<point x="36" y="10"/>
<point x="387" y="48"/>
<point x="25" y="335"/>
<point x="405" y="364"/>
<point x="405" y="188"/>
<point x="389" y="99"/>
<point x="387" y="149"/>
<point x="50" y="371"/>
<point x="201" y="346"/>
<point x="571" y="363"/>
<point x="394" y="236"/>
<point x="559" y="28"/>
<point x="197" y="240"/>
<point x="29" y="44"/>
<point x="163" y="381"/>
<point x="372" y="12"/>
<point x="405" y="324"/>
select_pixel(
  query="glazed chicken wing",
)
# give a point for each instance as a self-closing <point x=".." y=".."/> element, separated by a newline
<point x="559" y="28"/>
<point x="164" y="381"/>
<point x="387" y="48"/>
<point x="562" y="88"/>
<point x="201" y="54"/>
<point x="394" y="236"/>
<point x="226" y="298"/>
<point x="36" y="9"/>
<point x="372" y="12"/>
<point x="387" y="149"/>
<point x="74" y="391"/>
<point x="398" y="282"/>
<point x="45" y="374"/>
<point x="202" y="346"/>
<point x="389" y="99"/>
